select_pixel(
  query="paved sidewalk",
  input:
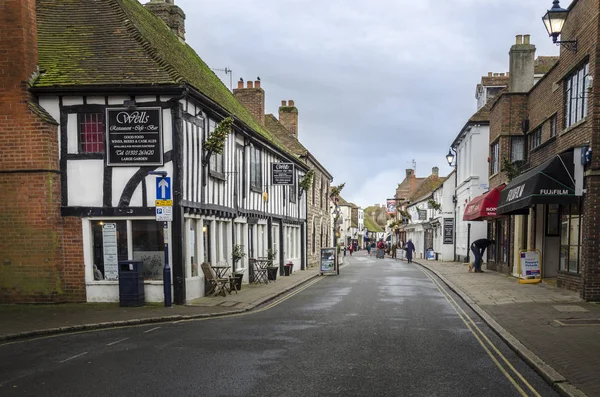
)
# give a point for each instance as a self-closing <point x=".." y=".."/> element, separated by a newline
<point x="20" y="321"/>
<point x="544" y="324"/>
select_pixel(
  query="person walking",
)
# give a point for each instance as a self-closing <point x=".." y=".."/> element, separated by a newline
<point x="478" y="247"/>
<point x="351" y="249"/>
<point x="380" y="249"/>
<point x="410" y="248"/>
<point x="369" y="249"/>
<point x="393" y="251"/>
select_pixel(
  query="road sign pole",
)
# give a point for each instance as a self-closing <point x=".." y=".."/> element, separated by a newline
<point x="167" y="268"/>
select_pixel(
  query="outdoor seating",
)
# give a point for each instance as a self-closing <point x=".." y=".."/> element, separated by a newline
<point x="216" y="285"/>
<point x="259" y="269"/>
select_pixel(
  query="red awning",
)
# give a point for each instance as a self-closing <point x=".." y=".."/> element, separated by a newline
<point x="484" y="206"/>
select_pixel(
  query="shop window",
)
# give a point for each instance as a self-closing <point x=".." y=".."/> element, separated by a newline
<point x="255" y="169"/>
<point x="570" y="242"/>
<point x="494" y="160"/>
<point x="553" y="126"/>
<point x="148" y="247"/>
<point x="292" y="193"/>
<point x="206" y="241"/>
<point x="576" y="95"/>
<point x="535" y="138"/>
<point x="99" y="251"/>
<point x="91" y="132"/>
<point x="193" y="249"/>
<point x="517" y="148"/>
<point x="552" y="220"/>
<point x="217" y="161"/>
<point x="491" y="252"/>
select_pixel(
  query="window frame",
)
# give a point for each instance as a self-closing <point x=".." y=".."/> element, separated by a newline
<point x="213" y="164"/>
<point x="523" y="140"/>
<point x="576" y="95"/>
<point x="101" y="132"/>
<point x="255" y="169"/>
<point x="535" y="139"/>
<point x="495" y="157"/>
<point x="567" y="210"/>
<point x="292" y="192"/>
<point x="553" y="121"/>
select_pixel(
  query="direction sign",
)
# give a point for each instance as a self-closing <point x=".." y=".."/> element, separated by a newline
<point x="163" y="188"/>
<point x="164" y="214"/>
<point x="282" y="173"/>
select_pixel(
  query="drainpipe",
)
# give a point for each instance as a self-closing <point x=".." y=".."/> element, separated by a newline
<point x="469" y="242"/>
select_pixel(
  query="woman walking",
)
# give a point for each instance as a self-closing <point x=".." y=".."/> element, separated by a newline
<point x="410" y="248"/>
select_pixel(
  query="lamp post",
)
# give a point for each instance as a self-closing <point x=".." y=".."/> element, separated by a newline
<point x="336" y="215"/>
<point x="554" y="21"/>
<point x="166" y="268"/>
<point x="450" y="157"/>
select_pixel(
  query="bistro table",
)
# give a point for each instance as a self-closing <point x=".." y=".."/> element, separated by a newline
<point x="221" y="271"/>
<point x="260" y="270"/>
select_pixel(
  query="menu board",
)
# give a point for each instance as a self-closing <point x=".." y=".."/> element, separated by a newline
<point x="328" y="261"/>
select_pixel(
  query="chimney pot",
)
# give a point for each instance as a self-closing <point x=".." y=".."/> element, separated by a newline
<point x="526" y="39"/>
<point x="283" y="103"/>
<point x="519" y="39"/>
<point x="490" y="74"/>
<point x="257" y="84"/>
<point x="240" y="84"/>
<point x="250" y="84"/>
<point x="291" y="103"/>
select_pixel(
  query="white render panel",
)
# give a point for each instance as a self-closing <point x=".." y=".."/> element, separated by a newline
<point x="120" y="177"/>
<point x="95" y="100"/>
<point x="51" y="105"/>
<point x="118" y="99"/>
<point x="165" y="98"/>
<point x="85" y="182"/>
<point x="145" y="98"/>
<point x="72" y="100"/>
<point x="167" y="130"/>
<point x="136" y="198"/>
<point x="72" y="133"/>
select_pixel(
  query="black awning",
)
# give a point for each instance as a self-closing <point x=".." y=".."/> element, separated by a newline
<point x="549" y="183"/>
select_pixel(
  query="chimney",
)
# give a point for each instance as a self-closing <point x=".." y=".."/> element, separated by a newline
<point x="409" y="172"/>
<point x="253" y="98"/>
<point x="171" y="14"/>
<point x="288" y="116"/>
<point x="435" y="171"/>
<point x="522" y="56"/>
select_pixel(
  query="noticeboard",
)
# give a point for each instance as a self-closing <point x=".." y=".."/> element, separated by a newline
<point x="328" y="261"/>
<point x="109" y="251"/>
<point x="282" y="173"/>
<point x="134" y="136"/>
<point x="448" y="230"/>
<point x="530" y="266"/>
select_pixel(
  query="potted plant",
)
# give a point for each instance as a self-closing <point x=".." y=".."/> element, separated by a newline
<point x="272" y="270"/>
<point x="236" y="255"/>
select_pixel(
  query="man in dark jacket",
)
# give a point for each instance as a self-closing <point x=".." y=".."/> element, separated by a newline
<point x="478" y="247"/>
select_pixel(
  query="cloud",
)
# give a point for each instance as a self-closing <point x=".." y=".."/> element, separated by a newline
<point x="377" y="83"/>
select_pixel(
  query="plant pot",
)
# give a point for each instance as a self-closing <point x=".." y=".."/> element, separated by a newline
<point x="272" y="273"/>
<point x="287" y="270"/>
<point x="236" y="281"/>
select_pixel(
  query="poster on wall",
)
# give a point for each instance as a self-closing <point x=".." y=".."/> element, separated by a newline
<point x="530" y="266"/>
<point x="328" y="261"/>
<point x="134" y="136"/>
<point x="109" y="251"/>
<point x="448" y="230"/>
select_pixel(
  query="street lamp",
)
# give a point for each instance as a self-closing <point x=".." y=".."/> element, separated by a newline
<point x="450" y="157"/>
<point x="336" y="214"/>
<point x="554" y="20"/>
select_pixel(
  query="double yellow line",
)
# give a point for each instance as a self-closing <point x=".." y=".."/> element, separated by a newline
<point x="485" y="342"/>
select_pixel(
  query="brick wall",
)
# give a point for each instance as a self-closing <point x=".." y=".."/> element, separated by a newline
<point x="32" y="268"/>
<point x="318" y="211"/>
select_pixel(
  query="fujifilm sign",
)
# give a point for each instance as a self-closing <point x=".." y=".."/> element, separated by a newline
<point x="515" y="193"/>
<point x="554" y="192"/>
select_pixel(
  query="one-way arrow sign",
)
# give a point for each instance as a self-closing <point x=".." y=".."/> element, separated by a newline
<point x="163" y="188"/>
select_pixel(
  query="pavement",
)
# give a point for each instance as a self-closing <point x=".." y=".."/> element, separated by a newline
<point x="552" y="329"/>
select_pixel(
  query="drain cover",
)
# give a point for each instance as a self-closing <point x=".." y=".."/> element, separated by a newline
<point x="579" y="321"/>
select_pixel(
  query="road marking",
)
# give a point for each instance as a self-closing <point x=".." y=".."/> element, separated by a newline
<point x="150" y="330"/>
<point x="115" y="342"/>
<point x="472" y="327"/>
<point x="70" y="358"/>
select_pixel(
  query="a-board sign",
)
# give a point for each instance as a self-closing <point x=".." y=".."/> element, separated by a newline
<point x="134" y="136"/>
<point x="448" y="230"/>
<point x="328" y="261"/>
<point x="282" y="173"/>
<point x="530" y="266"/>
<point x="109" y="251"/>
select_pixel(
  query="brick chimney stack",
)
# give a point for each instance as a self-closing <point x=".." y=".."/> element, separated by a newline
<point x="521" y="68"/>
<point x="435" y="171"/>
<point x="171" y="14"/>
<point x="252" y="97"/>
<point x="288" y="117"/>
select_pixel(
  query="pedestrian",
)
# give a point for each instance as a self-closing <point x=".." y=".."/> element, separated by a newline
<point x="369" y="249"/>
<point x="380" y="249"/>
<point x="344" y="250"/>
<point x="351" y="249"/>
<point x="393" y="251"/>
<point x="478" y="247"/>
<point x="410" y="248"/>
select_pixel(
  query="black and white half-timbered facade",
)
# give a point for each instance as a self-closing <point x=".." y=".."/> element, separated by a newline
<point x="132" y="98"/>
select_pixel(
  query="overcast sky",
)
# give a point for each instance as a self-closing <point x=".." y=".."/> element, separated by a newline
<point x="377" y="83"/>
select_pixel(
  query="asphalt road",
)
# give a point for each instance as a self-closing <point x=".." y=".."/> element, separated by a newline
<point x="381" y="328"/>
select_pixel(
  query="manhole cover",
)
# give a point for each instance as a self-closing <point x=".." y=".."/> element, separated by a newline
<point x="569" y="308"/>
<point x="579" y="321"/>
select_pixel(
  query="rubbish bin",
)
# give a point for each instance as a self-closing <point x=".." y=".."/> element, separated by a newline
<point x="131" y="284"/>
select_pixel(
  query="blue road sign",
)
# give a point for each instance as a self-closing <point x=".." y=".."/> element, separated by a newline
<point x="163" y="188"/>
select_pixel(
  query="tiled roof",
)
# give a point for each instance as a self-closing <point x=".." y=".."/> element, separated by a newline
<point x="482" y="114"/>
<point x="371" y="225"/>
<point x="120" y="43"/>
<point x="494" y="81"/>
<point x="430" y="183"/>
<point x="290" y="142"/>
<point x="543" y="64"/>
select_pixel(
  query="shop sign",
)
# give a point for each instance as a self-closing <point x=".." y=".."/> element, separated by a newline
<point x="448" y="230"/>
<point x="530" y="266"/>
<point x="164" y="214"/>
<point x="328" y="261"/>
<point x="282" y="173"/>
<point x="422" y="215"/>
<point x="134" y="136"/>
<point x="109" y="250"/>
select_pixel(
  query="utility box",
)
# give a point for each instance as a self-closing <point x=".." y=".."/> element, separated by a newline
<point x="131" y="284"/>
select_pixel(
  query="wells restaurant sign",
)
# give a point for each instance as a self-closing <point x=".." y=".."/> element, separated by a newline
<point x="134" y="136"/>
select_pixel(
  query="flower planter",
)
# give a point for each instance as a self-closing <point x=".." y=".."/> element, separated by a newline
<point x="287" y="270"/>
<point x="236" y="281"/>
<point x="272" y="273"/>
